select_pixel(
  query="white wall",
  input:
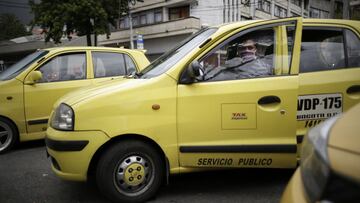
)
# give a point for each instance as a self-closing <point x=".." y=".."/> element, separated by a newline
<point x="210" y="12"/>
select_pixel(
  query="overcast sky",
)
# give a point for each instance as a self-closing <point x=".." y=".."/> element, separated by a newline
<point x="20" y="8"/>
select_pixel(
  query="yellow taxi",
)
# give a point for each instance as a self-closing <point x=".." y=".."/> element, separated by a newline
<point x="29" y="88"/>
<point x="330" y="163"/>
<point x="236" y="95"/>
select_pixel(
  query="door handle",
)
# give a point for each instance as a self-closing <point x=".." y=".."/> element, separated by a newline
<point x="353" y="89"/>
<point x="269" y="100"/>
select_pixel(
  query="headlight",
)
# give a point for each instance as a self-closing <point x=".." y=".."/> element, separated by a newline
<point x="314" y="160"/>
<point x="63" y="118"/>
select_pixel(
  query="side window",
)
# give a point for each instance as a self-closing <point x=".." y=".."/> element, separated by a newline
<point x="108" y="64"/>
<point x="247" y="56"/>
<point x="322" y="49"/>
<point x="64" y="67"/>
<point x="353" y="49"/>
<point x="130" y="66"/>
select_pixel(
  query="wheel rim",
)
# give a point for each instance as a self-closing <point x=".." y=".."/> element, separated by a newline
<point x="134" y="175"/>
<point x="6" y="136"/>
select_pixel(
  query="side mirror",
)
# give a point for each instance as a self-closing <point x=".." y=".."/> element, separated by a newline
<point x="193" y="71"/>
<point x="33" y="77"/>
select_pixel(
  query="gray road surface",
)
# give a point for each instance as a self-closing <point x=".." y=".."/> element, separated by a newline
<point x="25" y="176"/>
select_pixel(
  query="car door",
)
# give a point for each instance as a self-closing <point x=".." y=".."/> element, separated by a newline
<point x="109" y="65"/>
<point x="61" y="74"/>
<point x="244" y="117"/>
<point x="329" y="78"/>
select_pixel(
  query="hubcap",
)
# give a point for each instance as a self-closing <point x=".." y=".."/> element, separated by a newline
<point x="6" y="136"/>
<point x="133" y="174"/>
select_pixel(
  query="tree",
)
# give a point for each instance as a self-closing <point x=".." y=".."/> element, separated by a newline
<point x="11" y="27"/>
<point x="85" y="17"/>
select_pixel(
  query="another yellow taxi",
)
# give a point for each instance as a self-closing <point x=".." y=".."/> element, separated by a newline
<point x="330" y="163"/>
<point x="29" y="88"/>
<point x="236" y="95"/>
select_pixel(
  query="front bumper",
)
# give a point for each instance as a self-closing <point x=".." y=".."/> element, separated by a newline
<point x="294" y="191"/>
<point x="72" y="151"/>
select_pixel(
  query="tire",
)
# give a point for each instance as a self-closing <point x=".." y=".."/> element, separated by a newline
<point x="8" y="135"/>
<point x="130" y="171"/>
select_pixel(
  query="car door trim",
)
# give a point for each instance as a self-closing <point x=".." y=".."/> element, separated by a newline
<point x="276" y="148"/>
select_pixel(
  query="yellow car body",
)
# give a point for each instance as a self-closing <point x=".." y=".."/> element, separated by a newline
<point x="25" y="104"/>
<point x="194" y="124"/>
<point x="338" y="179"/>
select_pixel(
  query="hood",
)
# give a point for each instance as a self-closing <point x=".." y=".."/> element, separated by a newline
<point x="345" y="133"/>
<point x="105" y="87"/>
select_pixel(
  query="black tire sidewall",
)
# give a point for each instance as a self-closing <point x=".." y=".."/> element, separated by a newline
<point x="14" y="134"/>
<point x="110" y="160"/>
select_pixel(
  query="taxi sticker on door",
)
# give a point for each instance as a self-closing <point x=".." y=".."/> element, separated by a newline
<point x="319" y="106"/>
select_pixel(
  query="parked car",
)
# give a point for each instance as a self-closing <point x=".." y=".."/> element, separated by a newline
<point x="29" y="88"/>
<point x="237" y="95"/>
<point x="330" y="163"/>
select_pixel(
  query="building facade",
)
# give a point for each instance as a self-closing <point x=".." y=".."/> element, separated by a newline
<point x="163" y="23"/>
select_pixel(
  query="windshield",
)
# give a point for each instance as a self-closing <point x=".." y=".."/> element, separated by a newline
<point x="170" y="58"/>
<point x="18" y="67"/>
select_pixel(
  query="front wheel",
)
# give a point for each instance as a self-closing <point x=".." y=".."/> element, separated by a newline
<point x="8" y="135"/>
<point x="130" y="171"/>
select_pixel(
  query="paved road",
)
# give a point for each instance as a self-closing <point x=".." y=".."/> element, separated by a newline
<point x="25" y="176"/>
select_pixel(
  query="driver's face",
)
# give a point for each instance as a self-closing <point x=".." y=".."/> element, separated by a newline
<point x="247" y="50"/>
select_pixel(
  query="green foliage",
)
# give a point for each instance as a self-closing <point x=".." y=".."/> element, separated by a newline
<point x="85" y="17"/>
<point x="11" y="27"/>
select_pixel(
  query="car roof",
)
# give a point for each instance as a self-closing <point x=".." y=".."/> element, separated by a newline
<point x="92" y="48"/>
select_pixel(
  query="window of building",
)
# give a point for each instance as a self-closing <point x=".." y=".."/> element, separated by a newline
<point x="296" y="2"/>
<point x="264" y="6"/>
<point x="122" y="24"/>
<point x="150" y="17"/>
<point x="280" y="11"/>
<point x="135" y="20"/>
<point x="64" y="67"/>
<point x="143" y="19"/>
<point x="108" y="64"/>
<point x="179" y="12"/>
<point x="126" y="22"/>
<point x="158" y="15"/>
<point x="277" y="11"/>
<point x="267" y="6"/>
<point x="318" y="13"/>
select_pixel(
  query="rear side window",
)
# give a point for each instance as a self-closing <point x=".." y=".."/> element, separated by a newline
<point x="353" y="49"/>
<point x="108" y="64"/>
<point x="329" y="49"/>
<point x="322" y="50"/>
